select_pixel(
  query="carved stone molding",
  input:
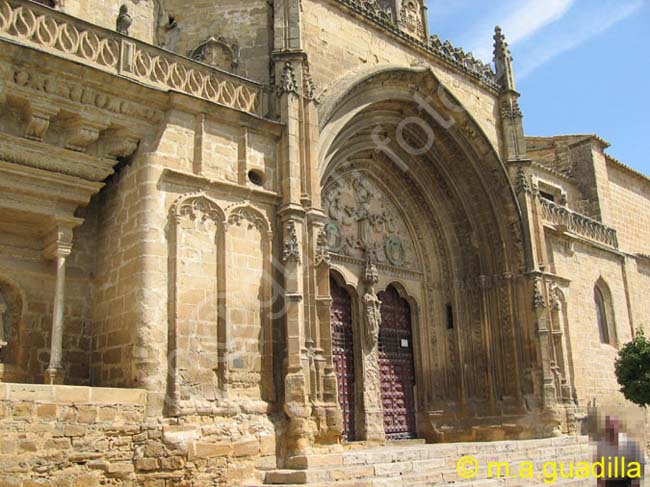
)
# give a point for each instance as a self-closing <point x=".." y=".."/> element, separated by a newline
<point x="28" y="83"/>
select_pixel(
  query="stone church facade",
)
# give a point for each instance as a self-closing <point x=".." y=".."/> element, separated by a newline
<point x="232" y="235"/>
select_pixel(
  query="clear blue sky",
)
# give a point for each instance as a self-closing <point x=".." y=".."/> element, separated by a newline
<point x="582" y="66"/>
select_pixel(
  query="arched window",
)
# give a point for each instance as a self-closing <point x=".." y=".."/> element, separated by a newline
<point x="604" y="314"/>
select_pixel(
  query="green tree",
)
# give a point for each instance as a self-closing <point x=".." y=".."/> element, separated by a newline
<point x="633" y="369"/>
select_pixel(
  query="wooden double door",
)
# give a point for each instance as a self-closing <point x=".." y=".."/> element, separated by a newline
<point x="397" y="374"/>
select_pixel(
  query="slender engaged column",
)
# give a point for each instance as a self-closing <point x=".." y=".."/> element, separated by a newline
<point x="59" y="248"/>
<point x="54" y="373"/>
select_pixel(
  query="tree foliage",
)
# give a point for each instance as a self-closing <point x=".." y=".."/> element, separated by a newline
<point x="633" y="369"/>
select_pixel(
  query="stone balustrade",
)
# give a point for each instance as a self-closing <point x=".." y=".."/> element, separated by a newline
<point x="42" y="28"/>
<point x="578" y="224"/>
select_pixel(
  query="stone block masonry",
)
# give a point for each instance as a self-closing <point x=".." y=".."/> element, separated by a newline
<point x="72" y="436"/>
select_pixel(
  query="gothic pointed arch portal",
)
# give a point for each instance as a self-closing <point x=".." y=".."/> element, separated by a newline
<point x="415" y="193"/>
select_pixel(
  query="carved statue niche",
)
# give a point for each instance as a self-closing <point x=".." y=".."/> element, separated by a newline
<point x="217" y="52"/>
<point x="371" y="306"/>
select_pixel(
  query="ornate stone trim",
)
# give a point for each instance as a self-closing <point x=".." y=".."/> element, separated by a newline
<point x="237" y="213"/>
<point x="576" y="223"/>
<point x="199" y="207"/>
<point x="510" y="110"/>
<point x="538" y="297"/>
<point x="291" y="249"/>
<point x="322" y="250"/>
<point x="288" y="83"/>
<point x="51" y="31"/>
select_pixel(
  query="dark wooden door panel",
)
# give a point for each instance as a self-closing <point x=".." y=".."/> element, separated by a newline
<point x="396" y="366"/>
<point x="343" y="354"/>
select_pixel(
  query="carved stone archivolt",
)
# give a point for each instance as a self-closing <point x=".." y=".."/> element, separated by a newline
<point x="365" y="223"/>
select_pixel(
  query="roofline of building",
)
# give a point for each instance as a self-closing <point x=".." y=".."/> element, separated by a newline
<point x="602" y="142"/>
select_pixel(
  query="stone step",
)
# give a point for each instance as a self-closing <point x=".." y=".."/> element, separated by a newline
<point x="417" y="464"/>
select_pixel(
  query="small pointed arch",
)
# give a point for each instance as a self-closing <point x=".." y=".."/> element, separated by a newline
<point x="605" y="313"/>
<point x="238" y="212"/>
<point x="401" y="291"/>
<point x="198" y="206"/>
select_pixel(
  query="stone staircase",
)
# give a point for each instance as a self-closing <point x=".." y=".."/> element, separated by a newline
<point x="414" y="464"/>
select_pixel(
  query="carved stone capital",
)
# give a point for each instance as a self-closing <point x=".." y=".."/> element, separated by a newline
<point x="58" y="242"/>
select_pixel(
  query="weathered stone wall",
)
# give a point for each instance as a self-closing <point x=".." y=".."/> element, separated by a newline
<point x="83" y="437"/>
<point x="119" y="281"/>
<point x="629" y="208"/>
<point x="339" y="43"/>
<point x="246" y="23"/>
<point x="592" y="361"/>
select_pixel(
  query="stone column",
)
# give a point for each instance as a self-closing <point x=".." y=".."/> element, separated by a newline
<point x="373" y="411"/>
<point x="59" y="246"/>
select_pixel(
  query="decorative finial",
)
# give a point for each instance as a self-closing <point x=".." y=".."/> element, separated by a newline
<point x="503" y="61"/>
<point x="123" y="21"/>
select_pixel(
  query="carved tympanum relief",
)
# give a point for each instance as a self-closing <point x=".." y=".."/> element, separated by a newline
<point x="364" y="223"/>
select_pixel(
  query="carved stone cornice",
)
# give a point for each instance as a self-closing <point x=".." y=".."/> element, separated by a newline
<point x="193" y="181"/>
<point x="46" y="91"/>
<point x="30" y="153"/>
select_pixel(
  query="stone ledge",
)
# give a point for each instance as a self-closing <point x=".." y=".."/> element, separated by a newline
<point x="71" y="394"/>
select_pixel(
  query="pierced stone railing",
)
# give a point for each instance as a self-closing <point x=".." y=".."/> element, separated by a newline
<point x="30" y="24"/>
<point x="576" y="223"/>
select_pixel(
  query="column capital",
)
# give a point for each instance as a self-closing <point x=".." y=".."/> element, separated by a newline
<point x="58" y="241"/>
